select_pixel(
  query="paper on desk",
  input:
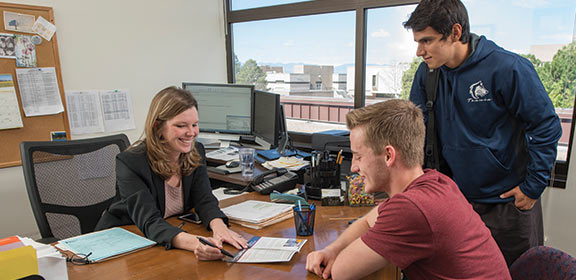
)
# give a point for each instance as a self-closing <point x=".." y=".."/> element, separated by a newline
<point x="51" y="263"/>
<point x="226" y="154"/>
<point x="39" y="91"/>
<point x="269" y="249"/>
<point x="290" y="163"/>
<point x="255" y="211"/>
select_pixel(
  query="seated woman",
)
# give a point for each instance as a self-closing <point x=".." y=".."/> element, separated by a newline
<point x="164" y="175"/>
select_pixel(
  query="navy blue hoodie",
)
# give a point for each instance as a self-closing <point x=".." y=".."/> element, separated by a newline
<point x="497" y="126"/>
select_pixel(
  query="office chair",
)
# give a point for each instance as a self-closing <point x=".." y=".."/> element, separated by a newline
<point x="70" y="183"/>
<point x="544" y="262"/>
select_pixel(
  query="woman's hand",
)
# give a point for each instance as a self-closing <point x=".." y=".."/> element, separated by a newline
<point x="224" y="234"/>
<point x="203" y="252"/>
<point x="208" y="253"/>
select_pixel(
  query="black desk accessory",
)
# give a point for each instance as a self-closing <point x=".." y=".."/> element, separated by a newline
<point x="324" y="173"/>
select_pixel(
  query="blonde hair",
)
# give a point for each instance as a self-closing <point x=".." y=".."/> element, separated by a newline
<point x="398" y="123"/>
<point x="167" y="104"/>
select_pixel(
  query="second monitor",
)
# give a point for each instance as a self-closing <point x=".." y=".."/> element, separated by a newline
<point x="266" y="121"/>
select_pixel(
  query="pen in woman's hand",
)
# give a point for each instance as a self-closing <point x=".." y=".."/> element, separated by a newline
<point x="206" y="242"/>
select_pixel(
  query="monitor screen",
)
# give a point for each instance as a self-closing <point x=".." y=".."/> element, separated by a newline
<point x="265" y="125"/>
<point x="224" y="108"/>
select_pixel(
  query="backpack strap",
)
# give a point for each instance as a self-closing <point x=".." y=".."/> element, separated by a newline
<point x="432" y="152"/>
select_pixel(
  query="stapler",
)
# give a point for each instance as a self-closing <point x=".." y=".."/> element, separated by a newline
<point x="278" y="197"/>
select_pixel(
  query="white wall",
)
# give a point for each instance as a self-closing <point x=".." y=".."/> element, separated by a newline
<point x="143" y="46"/>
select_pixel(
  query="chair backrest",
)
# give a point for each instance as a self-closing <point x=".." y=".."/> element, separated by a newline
<point x="544" y="262"/>
<point x="70" y="183"/>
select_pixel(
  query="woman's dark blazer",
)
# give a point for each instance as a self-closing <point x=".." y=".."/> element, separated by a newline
<point x="140" y="197"/>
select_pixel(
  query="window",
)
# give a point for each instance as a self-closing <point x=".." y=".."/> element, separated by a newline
<point x="299" y="63"/>
<point x="380" y="60"/>
<point x="390" y="49"/>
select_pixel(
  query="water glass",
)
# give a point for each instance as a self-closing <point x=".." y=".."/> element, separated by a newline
<point x="247" y="162"/>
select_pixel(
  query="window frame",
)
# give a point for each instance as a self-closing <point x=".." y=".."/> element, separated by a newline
<point x="560" y="170"/>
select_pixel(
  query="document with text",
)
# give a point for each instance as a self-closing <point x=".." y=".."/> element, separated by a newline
<point x="269" y="249"/>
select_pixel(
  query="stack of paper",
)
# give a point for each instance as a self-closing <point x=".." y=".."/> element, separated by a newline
<point x="105" y="244"/>
<point x="258" y="214"/>
<point x="225" y="154"/>
<point x="22" y="256"/>
<point x="51" y="263"/>
<point x="290" y="163"/>
<point x="269" y="249"/>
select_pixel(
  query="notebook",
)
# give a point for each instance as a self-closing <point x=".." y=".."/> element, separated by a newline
<point x="105" y="244"/>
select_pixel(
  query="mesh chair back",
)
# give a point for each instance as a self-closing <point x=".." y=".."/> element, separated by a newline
<point x="70" y="183"/>
<point x="544" y="262"/>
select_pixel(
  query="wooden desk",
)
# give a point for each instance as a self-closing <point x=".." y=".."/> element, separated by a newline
<point x="157" y="263"/>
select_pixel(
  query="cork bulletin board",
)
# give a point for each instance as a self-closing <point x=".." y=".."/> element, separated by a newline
<point x="37" y="128"/>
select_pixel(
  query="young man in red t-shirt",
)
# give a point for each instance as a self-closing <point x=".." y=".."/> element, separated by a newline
<point x="427" y="228"/>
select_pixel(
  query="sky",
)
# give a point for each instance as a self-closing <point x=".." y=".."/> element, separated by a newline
<point x="328" y="39"/>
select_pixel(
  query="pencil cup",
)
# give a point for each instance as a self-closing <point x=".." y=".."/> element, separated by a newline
<point x="304" y="219"/>
<point x="247" y="162"/>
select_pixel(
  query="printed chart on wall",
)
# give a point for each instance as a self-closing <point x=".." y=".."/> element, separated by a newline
<point x="92" y="111"/>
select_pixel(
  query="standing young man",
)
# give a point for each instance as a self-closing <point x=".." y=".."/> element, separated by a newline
<point x="496" y="127"/>
<point x="427" y="228"/>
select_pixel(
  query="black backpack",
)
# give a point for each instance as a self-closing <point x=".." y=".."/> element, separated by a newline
<point x="432" y="157"/>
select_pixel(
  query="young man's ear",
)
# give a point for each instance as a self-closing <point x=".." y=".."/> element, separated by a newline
<point x="456" y="32"/>
<point x="389" y="155"/>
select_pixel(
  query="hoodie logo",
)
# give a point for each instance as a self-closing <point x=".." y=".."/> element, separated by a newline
<point x="478" y="92"/>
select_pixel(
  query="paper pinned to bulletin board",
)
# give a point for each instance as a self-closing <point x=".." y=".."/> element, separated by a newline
<point x="19" y="20"/>
<point x="9" y="110"/>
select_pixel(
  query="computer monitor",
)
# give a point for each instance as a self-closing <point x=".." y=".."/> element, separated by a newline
<point x="284" y="139"/>
<point x="223" y="108"/>
<point x="266" y="120"/>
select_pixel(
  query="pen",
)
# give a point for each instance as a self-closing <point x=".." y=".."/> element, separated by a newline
<point x="181" y="225"/>
<point x="206" y="242"/>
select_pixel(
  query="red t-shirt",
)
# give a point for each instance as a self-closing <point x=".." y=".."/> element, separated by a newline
<point x="431" y="232"/>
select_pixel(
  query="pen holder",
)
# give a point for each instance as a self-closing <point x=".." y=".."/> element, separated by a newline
<point x="304" y="216"/>
<point x="355" y="193"/>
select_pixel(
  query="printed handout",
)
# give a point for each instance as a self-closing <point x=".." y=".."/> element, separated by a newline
<point x="117" y="110"/>
<point x="39" y="91"/>
<point x="84" y="112"/>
